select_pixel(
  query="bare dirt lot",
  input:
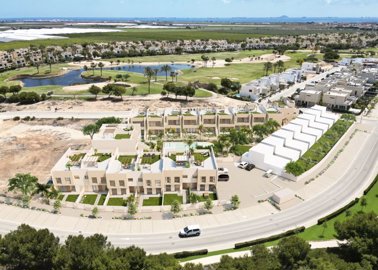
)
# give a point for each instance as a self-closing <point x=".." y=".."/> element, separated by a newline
<point x="35" y="146"/>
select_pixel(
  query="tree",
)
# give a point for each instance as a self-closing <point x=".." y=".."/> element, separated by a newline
<point x="267" y="67"/>
<point x="131" y="205"/>
<point x="291" y="251"/>
<point x="4" y="90"/>
<point x="208" y="205"/>
<point x="263" y="259"/>
<point x="57" y="205"/>
<point x="156" y="71"/>
<point x="28" y="249"/>
<point x="93" y="66"/>
<point x="300" y="62"/>
<point x="173" y="75"/>
<point x="101" y="66"/>
<point x="37" y="65"/>
<point x="325" y="226"/>
<point x="166" y="69"/>
<point x="193" y="198"/>
<point x="213" y="59"/>
<point x="363" y="203"/>
<point x="94" y="212"/>
<point x="49" y="62"/>
<point x="205" y="59"/>
<point x="294" y="168"/>
<point x="91" y="130"/>
<point x="175" y="207"/>
<point x="235" y="202"/>
<point x="148" y="72"/>
<point x="14" y="89"/>
<point x="133" y="90"/>
<point x="280" y="65"/>
<point x="94" y="90"/>
<point x="24" y="183"/>
<point x="260" y="131"/>
<point x="271" y="126"/>
<point x="189" y="91"/>
<point x="119" y="91"/>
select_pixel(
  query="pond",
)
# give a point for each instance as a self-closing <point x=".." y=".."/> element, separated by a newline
<point x="73" y="77"/>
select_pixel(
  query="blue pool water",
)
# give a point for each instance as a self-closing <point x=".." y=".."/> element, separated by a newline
<point x="73" y="77"/>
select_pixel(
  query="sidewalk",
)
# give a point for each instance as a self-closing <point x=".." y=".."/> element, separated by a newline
<point x="217" y="258"/>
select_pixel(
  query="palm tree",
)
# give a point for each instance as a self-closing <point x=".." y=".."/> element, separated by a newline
<point x="172" y="74"/>
<point x="101" y="65"/>
<point x="156" y="71"/>
<point x="93" y="66"/>
<point x="267" y="67"/>
<point x="200" y="129"/>
<point x="25" y="183"/>
<point x="300" y="62"/>
<point x="148" y="72"/>
<point x="166" y="69"/>
<point x="274" y="67"/>
<point x="280" y="65"/>
<point x="213" y="59"/>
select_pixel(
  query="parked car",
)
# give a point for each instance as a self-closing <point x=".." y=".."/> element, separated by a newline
<point x="243" y="165"/>
<point x="222" y="170"/>
<point x="250" y="167"/>
<point x="223" y="177"/>
<point x="188" y="231"/>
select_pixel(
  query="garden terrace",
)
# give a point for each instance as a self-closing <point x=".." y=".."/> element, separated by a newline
<point x="150" y="158"/>
<point x="122" y="136"/>
<point x="169" y="198"/>
<point x="102" y="156"/>
<point x="117" y="202"/>
<point x="77" y="157"/>
<point x="200" y="157"/>
<point x="126" y="160"/>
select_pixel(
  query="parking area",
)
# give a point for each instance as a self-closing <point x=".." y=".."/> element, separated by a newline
<point x="250" y="186"/>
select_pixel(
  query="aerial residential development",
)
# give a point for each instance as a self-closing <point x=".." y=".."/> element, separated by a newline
<point x="200" y="135"/>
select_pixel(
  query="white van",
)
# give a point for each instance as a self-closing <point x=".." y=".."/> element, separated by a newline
<point x="191" y="230"/>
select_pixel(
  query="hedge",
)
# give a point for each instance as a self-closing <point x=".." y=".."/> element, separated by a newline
<point x="185" y="254"/>
<point x="270" y="238"/>
<point x="371" y="185"/>
<point x="337" y="212"/>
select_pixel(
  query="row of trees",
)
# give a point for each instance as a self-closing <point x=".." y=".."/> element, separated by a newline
<point x="19" y="97"/>
<point x="172" y="88"/>
<point x="29" y="249"/>
<point x="277" y="66"/>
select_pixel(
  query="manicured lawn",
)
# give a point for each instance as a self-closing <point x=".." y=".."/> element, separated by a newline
<point x="153" y="201"/>
<point x="212" y="196"/>
<point x="127" y="159"/>
<point x="102" y="156"/>
<point x="89" y="199"/>
<point x="199" y="157"/>
<point x="122" y="136"/>
<point x="117" y="202"/>
<point x="72" y="198"/>
<point x="150" y="159"/>
<point x="320" y="149"/>
<point x="102" y="199"/>
<point x="240" y="149"/>
<point x="202" y="93"/>
<point x="169" y="198"/>
<point x="60" y="197"/>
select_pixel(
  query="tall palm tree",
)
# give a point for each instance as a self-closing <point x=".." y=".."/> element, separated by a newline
<point x="267" y="67"/>
<point x="93" y="66"/>
<point x="156" y="71"/>
<point x="24" y="183"/>
<point x="101" y="65"/>
<point x="280" y="66"/>
<point x="172" y="74"/>
<point x="149" y="73"/>
<point x="166" y="69"/>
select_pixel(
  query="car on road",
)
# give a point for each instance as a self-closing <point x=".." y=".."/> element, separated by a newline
<point x="223" y="177"/>
<point x="189" y="231"/>
<point x="222" y="170"/>
<point x="243" y="165"/>
<point x="250" y="167"/>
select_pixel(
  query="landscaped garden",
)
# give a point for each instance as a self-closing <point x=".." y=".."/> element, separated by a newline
<point x="77" y="157"/>
<point x="169" y="198"/>
<point x="153" y="201"/>
<point x="320" y="149"/>
<point x="102" y="199"/>
<point x="89" y="199"/>
<point x="72" y="197"/>
<point x="199" y="157"/>
<point x="150" y="158"/>
<point x="122" y="136"/>
<point x="125" y="160"/>
<point x="202" y="198"/>
<point x="102" y="156"/>
<point x="117" y="202"/>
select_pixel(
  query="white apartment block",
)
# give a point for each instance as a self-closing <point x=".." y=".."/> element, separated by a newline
<point x="291" y="141"/>
<point x="119" y="163"/>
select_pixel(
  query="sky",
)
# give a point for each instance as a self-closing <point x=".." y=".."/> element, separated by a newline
<point x="188" y="8"/>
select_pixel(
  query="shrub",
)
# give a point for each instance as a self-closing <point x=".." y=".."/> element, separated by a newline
<point x="337" y="212"/>
<point x="13" y="99"/>
<point x="16" y="118"/>
<point x="29" y="97"/>
<point x="2" y="99"/>
<point x="185" y="254"/>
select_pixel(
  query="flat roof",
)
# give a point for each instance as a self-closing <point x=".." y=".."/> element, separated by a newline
<point x="290" y="141"/>
<point x="313" y="123"/>
<point x="298" y="135"/>
<point x="280" y="149"/>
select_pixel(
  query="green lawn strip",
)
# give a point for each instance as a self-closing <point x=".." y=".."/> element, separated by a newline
<point x="153" y="201"/>
<point x="101" y="201"/>
<point x="199" y="157"/>
<point x="102" y="156"/>
<point x="212" y="196"/>
<point x="89" y="199"/>
<point x="150" y="159"/>
<point x="60" y="197"/>
<point x="117" y="202"/>
<point x="72" y="198"/>
<point x="315" y="232"/>
<point x="169" y="198"/>
<point x="240" y="149"/>
<point x="122" y="136"/>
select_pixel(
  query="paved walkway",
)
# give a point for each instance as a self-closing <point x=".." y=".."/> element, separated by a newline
<point x="216" y="258"/>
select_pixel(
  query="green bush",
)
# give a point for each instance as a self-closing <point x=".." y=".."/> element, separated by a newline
<point x="270" y="238"/>
<point x="371" y="185"/>
<point x="13" y="99"/>
<point x="337" y="212"/>
<point x="29" y="97"/>
<point x="185" y="254"/>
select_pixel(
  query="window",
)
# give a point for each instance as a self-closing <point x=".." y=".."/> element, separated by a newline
<point x="177" y="179"/>
<point x="148" y="182"/>
<point x="168" y="188"/>
<point x="94" y="180"/>
<point x="203" y="179"/>
<point x="149" y="191"/>
<point x="140" y="179"/>
<point x="177" y="187"/>
<point x="130" y="179"/>
<point x="114" y="191"/>
<point x="158" y="183"/>
<point x="202" y="187"/>
<point x="123" y="191"/>
<point x="168" y="179"/>
<point x="121" y="183"/>
<point x="103" y="180"/>
<point x="112" y="183"/>
<point x="76" y="177"/>
<point x="68" y="180"/>
<point x="184" y="176"/>
<point x="211" y="178"/>
<point x="58" y="180"/>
